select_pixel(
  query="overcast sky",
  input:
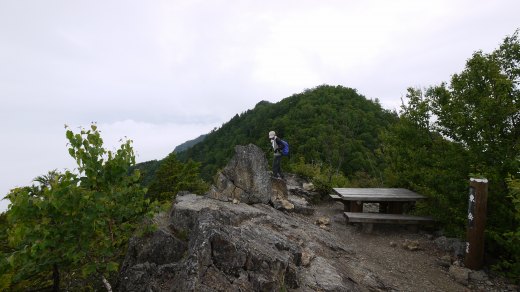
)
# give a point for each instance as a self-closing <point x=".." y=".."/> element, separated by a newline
<point x="163" y="72"/>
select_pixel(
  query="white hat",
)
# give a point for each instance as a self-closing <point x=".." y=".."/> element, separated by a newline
<point x="272" y="134"/>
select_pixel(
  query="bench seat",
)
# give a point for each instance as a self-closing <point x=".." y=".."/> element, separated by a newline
<point x="354" y="217"/>
<point x="368" y="220"/>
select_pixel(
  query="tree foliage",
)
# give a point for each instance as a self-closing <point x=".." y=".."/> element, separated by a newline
<point x="470" y="126"/>
<point x="480" y="110"/>
<point x="421" y="159"/>
<point x="322" y="176"/>
<point x="174" y="176"/>
<point x="75" y="226"/>
<point x="332" y="125"/>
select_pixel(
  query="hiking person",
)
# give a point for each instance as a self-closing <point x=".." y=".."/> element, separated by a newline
<point x="280" y="148"/>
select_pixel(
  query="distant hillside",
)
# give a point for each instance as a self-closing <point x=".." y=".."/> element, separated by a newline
<point x="188" y="144"/>
<point x="147" y="170"/>
<point x="328" y="124"/>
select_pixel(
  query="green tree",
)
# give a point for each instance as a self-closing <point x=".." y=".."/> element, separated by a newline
<point x="76" y="224"/>
<point x="480" y="110"/>
<point x="174" y="176"/>
<point x="421" y="159"/>
<point x="510" y="239"/>
<point x="39" y="226"/>
<point x="5" y="250"/>
<point x="471" y="126"/>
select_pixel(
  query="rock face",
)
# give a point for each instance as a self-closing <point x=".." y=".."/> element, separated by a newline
<point x="211" y="245"/>
<point x="236" y="239"/>
<point x="245" y="179"/>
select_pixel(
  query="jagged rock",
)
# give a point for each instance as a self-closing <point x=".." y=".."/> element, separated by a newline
<point x="324" y="227"/>
<point x="322" y="221"/>
<point x="245" y="178"/>
<point x="306" y="256"/>
<point x="279" y="195"/>
<point x="412" y="245"/>
<point x="460" y="274"/>
<point x="479" y="276"/>
<point x="294" y="180"/>
<point x="240" y="247"/>
<point x="444" y="261"/>
<point x="451" y="245"/>
<point x="301" y="205"/>
<point x="308" y="187"/>
<point x="206" y="243"/>
<point x="299" y="192"/>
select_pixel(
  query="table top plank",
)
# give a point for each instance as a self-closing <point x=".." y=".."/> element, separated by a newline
<point x="377" y="194"/>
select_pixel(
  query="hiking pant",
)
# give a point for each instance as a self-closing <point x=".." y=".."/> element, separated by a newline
<point x="277" y="172"/>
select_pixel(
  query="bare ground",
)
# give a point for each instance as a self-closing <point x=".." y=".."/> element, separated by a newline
<point x="400" y="269"/>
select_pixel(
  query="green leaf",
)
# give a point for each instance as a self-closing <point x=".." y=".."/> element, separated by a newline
<point x="112" y="267"/>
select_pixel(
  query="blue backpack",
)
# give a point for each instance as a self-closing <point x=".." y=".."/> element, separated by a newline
<point x="285" y="149"/>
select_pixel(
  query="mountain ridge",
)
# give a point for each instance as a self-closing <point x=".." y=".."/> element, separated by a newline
<point x="332" y="125"/>
<point x="326" y="125"/>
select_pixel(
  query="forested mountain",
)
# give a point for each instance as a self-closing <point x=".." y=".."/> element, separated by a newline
<point x="331" y="125"/>
<point x="148" y="170"/>
<point x="188" y="144"/>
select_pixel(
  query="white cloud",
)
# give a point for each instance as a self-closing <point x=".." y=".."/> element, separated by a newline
<point x="152" y="141"/>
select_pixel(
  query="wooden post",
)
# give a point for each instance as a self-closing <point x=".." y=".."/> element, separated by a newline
<point x="478" y="191"/>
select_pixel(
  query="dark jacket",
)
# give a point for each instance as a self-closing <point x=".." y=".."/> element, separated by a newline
<point x="278" y="146"/>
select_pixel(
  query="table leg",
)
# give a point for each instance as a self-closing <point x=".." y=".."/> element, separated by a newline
<point x="395" y="207"/>
<point x="383" y="207"/>
<point x="346" y="206"/>
<point x="356" y="206"/>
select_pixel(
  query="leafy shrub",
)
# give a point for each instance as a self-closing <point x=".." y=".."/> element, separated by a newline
<point x="322" y="176"/>
<point x="174" y="176"/>
<point x="510" y="240"/>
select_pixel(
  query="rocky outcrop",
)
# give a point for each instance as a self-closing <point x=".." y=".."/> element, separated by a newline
<point x="211" y="245"/>
<point x="245" y="179"/>
<point x="236" y="239"/>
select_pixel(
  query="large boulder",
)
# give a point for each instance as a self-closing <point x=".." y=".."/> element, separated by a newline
<point x="246" y="179"/>
<point x="212" y="245"/>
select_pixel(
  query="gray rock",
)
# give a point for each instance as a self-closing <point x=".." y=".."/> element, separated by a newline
<point x="460" y="274"/>
<point x="301" y="205"/>
<point x="245" y="178"/>
<point x="279" y="195"/>
<point x="239" y="247"/>
<point x="300" y="192"/>
<point x="412" y="245"/>
<point x="444" y="261"/>
<point x="454" y="245"/>
<point x="479" y="276"/>
<point x="308" y="187"/>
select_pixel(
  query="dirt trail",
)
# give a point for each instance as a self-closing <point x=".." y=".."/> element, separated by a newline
<point x="400" y="268"/>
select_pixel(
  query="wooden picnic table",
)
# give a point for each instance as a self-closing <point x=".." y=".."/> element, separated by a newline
<point x="390" y="200"/>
